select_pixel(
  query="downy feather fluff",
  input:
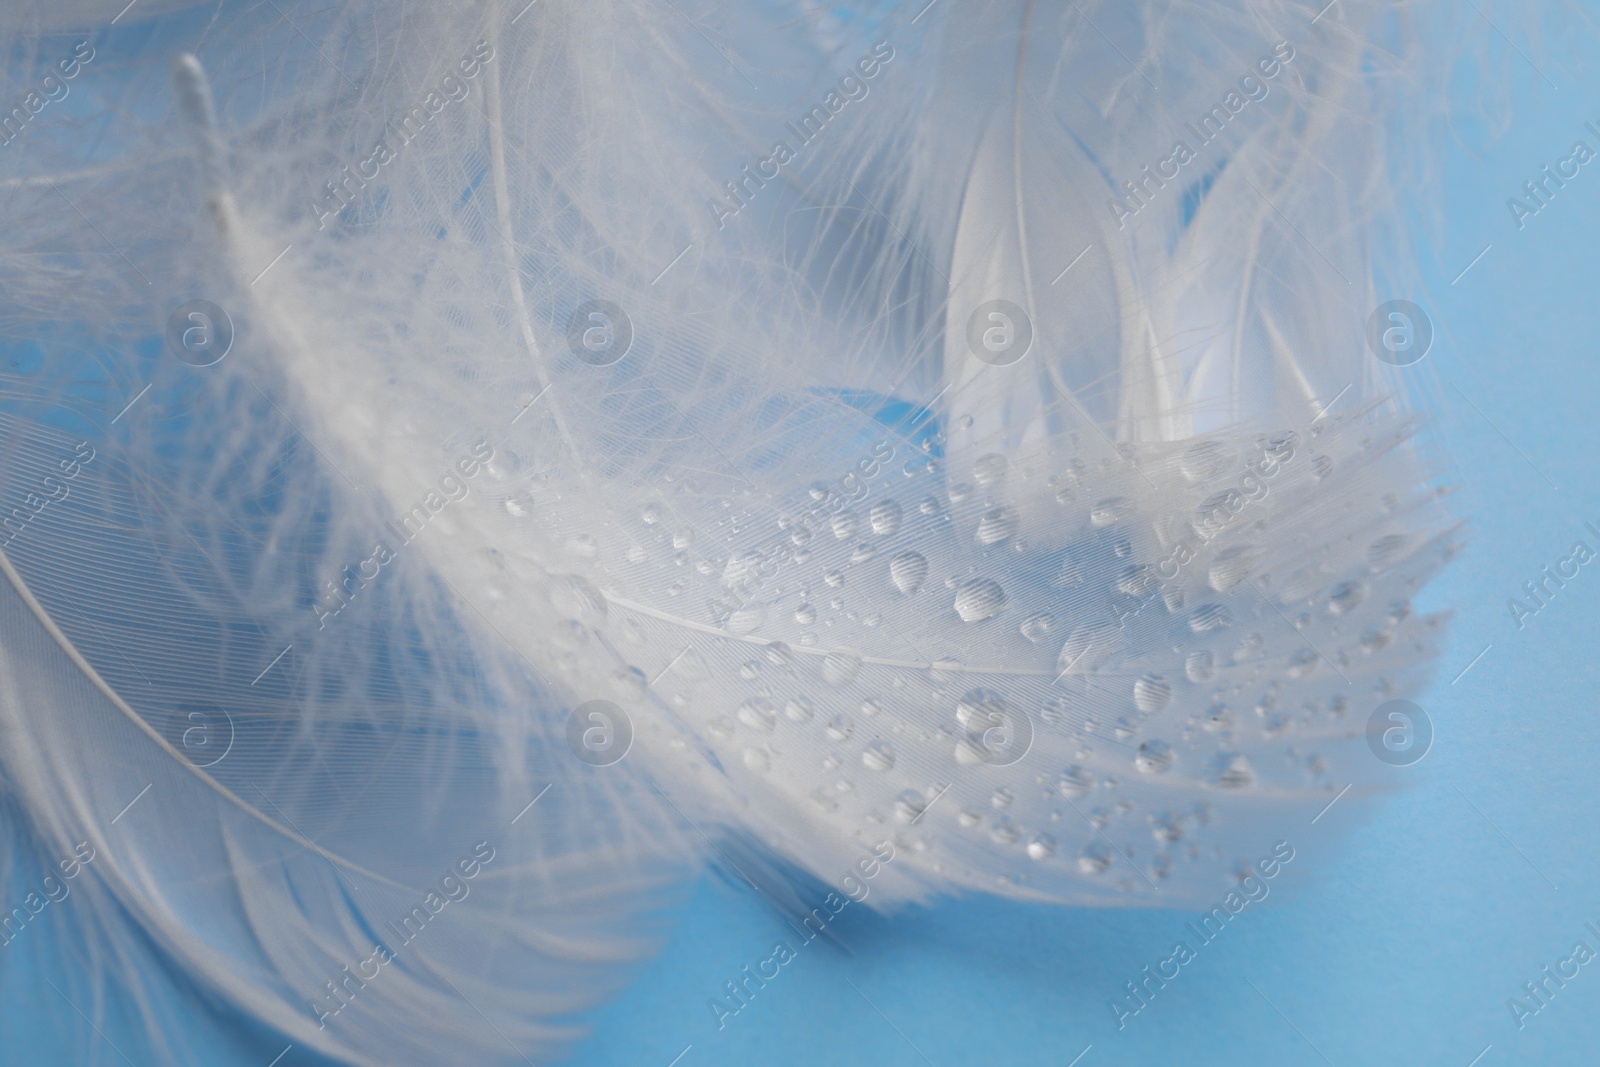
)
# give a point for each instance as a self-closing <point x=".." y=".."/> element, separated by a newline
<point x="304" y="635"/>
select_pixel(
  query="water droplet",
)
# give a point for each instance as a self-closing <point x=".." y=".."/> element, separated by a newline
<point x="996" y="525"/>
<point x="1041" y="846"/>
<point x="651" y="514"/>
<point x="805" y="614"/>
<point x="930" y="507"/>
<point x="908" y="571"/>
<point x="1088" y="647"/>
<point x="1345" y="596"/>
<point x="1230" y="567"/>
<point x="879" y="756"/>
<point x="1136" y="579"/>
<point x="968" y="819"/>
<point x="1151" y="693"/>
<point x="1094" y="859"/>
<point x="979" y="599"/>
<point x="1198" y="666"/>
<point x="799" y="709"/>
<point x="757" y="760"/>
<point x="1004" y="832"/>
<point x="1002" y="797"/>
<point x="989" y="469"/>
<point x="1231" y="770"/>
<point x="1111" y="509"/>
<point x="800" y="535"/>
<point x="885" y="517"/>
<point x="840" y="667"/>
<point x="1321" y="466"/>
<point x="1038" y="627"/>
<point x="959" y="492"/>
<point x="750" y="670"/>
<point x="1154" y="757"/>
<point x="1216" y="718"/>
<point x="818" y="490"/>
<point x="909" y="806"/>
<point x="834" y="578"/>
<point x="779" y="654"/>
<point x="1209" y="617"/>
<point x="682" y="538"/>
<point x="1074" y="782"/>
<point x="871" y="707"/>
<point x="747" y="619"/>
<point x="758" y="714"/>
<point x="843" y="525"/>
<point x="840" y="727"/>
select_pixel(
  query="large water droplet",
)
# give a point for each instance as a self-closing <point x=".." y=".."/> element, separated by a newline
<point x="885" y="517"/>
<point x="759" y="714"/>
<point x="1199" y="665"/>
<point x="844" y="524"/>
<point x="840" y="667"/>
<point x="996" y="525"/>
<point x="908" y="571"/>
<point x="1151" y="693"/>
<point x="979" y="599"/>
<point x="1041" y="847"/>
<point x="879" y="756"/>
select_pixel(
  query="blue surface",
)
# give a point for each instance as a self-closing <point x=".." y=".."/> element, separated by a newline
<point x="1401" y="929"/>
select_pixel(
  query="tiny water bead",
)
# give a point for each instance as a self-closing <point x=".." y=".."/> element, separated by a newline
<point x="878" y="756"/>
<point x="840" y="727"/>
<point x="799" y="709"/>
<point x="1037" y="628"/>
<point x="1110" y="510"/>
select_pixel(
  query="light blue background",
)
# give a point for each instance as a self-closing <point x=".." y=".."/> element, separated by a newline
<point x="1401" y="928"/>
